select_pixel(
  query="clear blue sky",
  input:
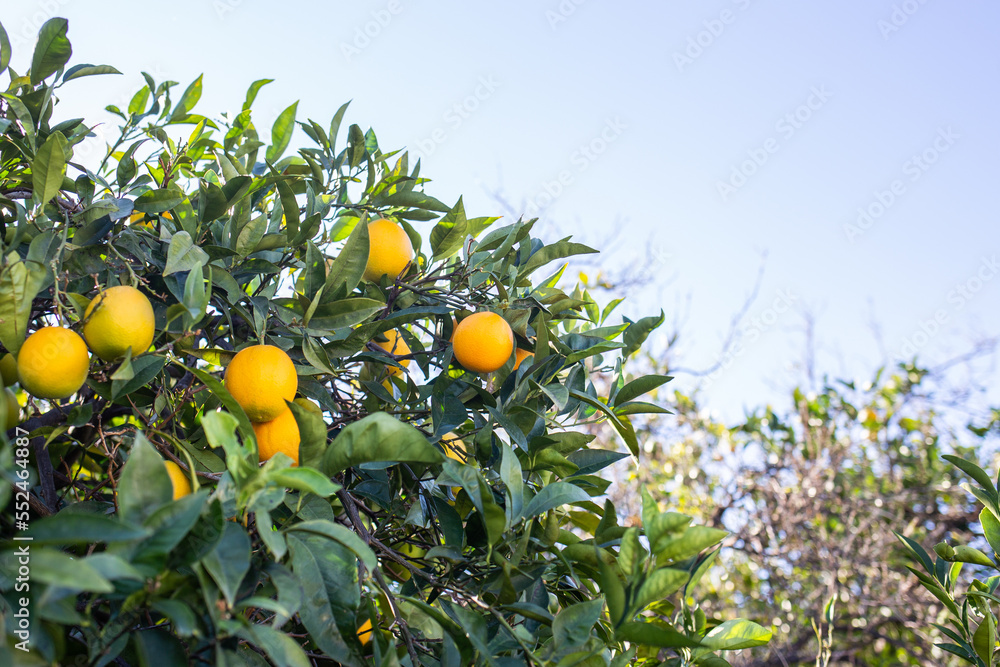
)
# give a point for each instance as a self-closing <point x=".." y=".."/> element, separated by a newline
<point x="820" y="108"/>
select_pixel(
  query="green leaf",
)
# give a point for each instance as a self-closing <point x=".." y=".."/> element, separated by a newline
<point x="281" y="133"/>
<point x="182" y="618"/>
<point x="279" y="647"/>
<point x="113" y="568"/>
<point x="170" y="524"/>
<point x="158" y="201"/>
<point x="917" y="551"/>
<point x="638" y="332"/>
<point x="312" y="439"/>
<point x="378" y="437"/>
<point x="555" y="495"/>
<point x="494" y="519"/>
<point x="344" y="313"/>
<point x="975" y="472"/>
<point x="348" y="268"/>
<point x="48" y="168"/>
<point x="477" y="225"/>
<point x="512" y="478"/>
<point x="449" y="234"/>
<point x="640" y="386"/>
<point x="966" y="554"/>
<point x="80" y="528"/>
<point x="187" y="101"/>
<point x="572" y="625"/>
<point x="346" y="537"/>
<point x="631" y="554"/>
<point x="649" y="634"/>
<point x="304" y="479"/>
<point x="219" y="390"/>
<point x="660" y="526"/>
<point x="411" y="199"/>
<point x="251" y="235"/>
<point x="658" y="585"/>
<point x="991" y="528"/>
<point x="590" y="461"/>
<point x="23" y="115"/>
<point x="640" y="408"/>
<point x="613" y="590"/>
<point x="144" y="369"/>
<point x="253" y="90"/>
<point x="459" y="634"/>
<point x="78" y="71"/>
<point x="52" y="50"/>
<point x="144" y="485"/>
<point x="984" y="640"/>
<point x="335" y="125"/>
<point x="229" y="562"/>
<point x="20" y="283"/>
<point x="196" y="296"/>
<point x="183" y="254"/>
<point x="212" y="202"/>
<point x="323" y="572"/>
<point x="220" y="430"/>
<point x="4" y="50"/>
<point x="621" y="424"/>
<point x="157" y="648"/>
<point x="694" y="540"/>
<point x="735" y="635"/>
<point x="53" y="567"/>
<point x="557" y="392"/>
<point x="558" y="250"/>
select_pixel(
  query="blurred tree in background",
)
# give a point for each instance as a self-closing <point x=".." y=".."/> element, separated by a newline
<point x="812" y="491"/>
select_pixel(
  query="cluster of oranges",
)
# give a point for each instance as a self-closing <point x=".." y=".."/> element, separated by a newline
<point x="261" y="378"/>
<point x="53" y="362"/>
<point x="482" y="342"/>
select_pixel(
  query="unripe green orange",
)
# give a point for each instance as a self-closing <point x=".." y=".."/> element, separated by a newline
<point x="10" y="410"/>
<point x="309" y="406"/>
<point x="8" y="369"/>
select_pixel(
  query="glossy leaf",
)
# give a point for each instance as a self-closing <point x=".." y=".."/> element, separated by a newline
<point x="378" y="437"/>
<point x="52" y="50"/>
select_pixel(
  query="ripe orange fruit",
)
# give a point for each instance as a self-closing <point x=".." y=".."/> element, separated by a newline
<point x="261" y="378"/>
<point x="365" y="632"/>
<point x="138" y="217"/>
<point x="281" y="434"/>
<point x="520" y="355"/>
<point x="8" y="369"/>
<point x="119" y="318"/>
<point x="53" y="363"/>
<point x="178" y="479"/>
<point x="389" y="250"/>
<point x="395" y="345"/>
<point x="454" y="448"/>
<point x="483" y="342"/>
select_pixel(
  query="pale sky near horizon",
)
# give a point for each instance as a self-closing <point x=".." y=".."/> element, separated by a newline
<point x="688" y="138"/>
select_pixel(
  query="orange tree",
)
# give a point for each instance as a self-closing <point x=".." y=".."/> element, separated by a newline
<point x="160" y="535"/>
